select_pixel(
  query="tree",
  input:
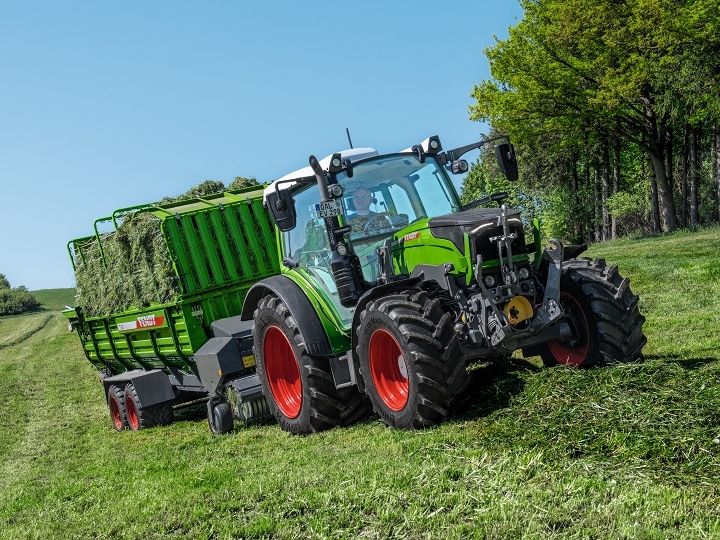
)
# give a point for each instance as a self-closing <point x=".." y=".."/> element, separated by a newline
<point x="243" y="182"/>
<point x="579" y="73"/>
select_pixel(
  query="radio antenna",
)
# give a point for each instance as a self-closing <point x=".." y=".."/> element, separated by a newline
<point x="348" y="134"/>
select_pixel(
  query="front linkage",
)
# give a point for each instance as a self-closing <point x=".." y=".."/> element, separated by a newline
<point x="482" y="318"/>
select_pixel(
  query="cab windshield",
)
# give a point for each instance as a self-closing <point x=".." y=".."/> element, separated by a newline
<point x="384" y="195"/>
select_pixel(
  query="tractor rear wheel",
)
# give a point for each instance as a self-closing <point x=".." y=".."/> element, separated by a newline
<point x="410" y="358"/>
<point x="139" y="417"/>
<point x="299" y="388"/>
<point x="603" y="313"/>
<point x="116" y="404"/>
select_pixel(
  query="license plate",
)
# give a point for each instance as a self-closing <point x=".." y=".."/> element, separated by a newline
<point x="328" y="209"/>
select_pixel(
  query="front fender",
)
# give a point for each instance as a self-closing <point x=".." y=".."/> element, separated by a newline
<point x="311" y="328"/>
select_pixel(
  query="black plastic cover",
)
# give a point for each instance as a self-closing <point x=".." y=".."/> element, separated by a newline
<point x="481" y="224"/>
<point x="219" y="358"/>
<point x="152" y="387"/>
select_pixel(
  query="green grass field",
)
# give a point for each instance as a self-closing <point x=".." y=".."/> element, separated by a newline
<point x="625" y="451"/>
<point x="55" y="299"/>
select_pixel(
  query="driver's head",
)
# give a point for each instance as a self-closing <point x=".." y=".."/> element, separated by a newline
<point x="362" y="199"/>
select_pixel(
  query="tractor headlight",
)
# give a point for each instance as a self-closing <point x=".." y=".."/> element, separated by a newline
<point x="431" y="145"/>
<point x="335" y="164"/>
<point x="336" y="190"/>
<point x="489" y="280"/>
<point x="524" y="273"/>
<point x="341" y="249"/>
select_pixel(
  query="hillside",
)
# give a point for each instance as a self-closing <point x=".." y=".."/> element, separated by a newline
<point x="55" y="299"/>
<point x="626" y="451"/>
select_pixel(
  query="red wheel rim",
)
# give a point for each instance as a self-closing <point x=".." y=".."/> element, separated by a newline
<point x="132" y="416"/>
<point x="283" y="374"/>
<point x="115" y="413"/>
<point x="388" y="369"/>
<point x="572" y="356"/>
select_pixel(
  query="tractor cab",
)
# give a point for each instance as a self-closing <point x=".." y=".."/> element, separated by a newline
<point x="377" y="200"/>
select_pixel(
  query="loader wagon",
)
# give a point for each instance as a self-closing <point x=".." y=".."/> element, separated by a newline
<point x="151" y="359"/>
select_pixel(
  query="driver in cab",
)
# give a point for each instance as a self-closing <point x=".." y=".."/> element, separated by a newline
<point x="362" y="198"/>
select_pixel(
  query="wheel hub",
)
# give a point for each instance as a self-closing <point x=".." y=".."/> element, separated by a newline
<point x="572" y="353"/>
<point x="283" y="373"/>
<point x="388" y="369"/>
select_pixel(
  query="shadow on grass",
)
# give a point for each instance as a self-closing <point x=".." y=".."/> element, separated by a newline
<point x="685" y="363"/>
<point x="198" y="412"/>
<point x="492" y="387"/>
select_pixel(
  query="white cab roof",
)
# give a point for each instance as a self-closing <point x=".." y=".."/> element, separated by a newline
<point x="355" y="154"/>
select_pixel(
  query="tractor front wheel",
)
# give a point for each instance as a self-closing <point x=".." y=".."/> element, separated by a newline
<point x="299" y="388"/>
<point x="603" y="313"/>
<point x="410" y="359"/>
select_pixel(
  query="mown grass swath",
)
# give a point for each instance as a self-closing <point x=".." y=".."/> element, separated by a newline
<point x="625" y="451"/>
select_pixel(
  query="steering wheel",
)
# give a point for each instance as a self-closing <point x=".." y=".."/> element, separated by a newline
<point x="379" y="221"/>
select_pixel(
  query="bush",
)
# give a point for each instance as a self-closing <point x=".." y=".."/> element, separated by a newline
<point x="15" y="301"/>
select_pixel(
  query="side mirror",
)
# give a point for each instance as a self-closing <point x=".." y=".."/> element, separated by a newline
<point x="505" y="155"/>
<point x="459" y="166"/>
<point x="282" y="208"/>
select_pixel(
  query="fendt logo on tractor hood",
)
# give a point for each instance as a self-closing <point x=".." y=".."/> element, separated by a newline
<point x="143" y="322"/>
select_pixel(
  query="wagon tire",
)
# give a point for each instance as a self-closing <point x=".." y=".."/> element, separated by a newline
<point x="299" y="387"/>
<point x="410" y="359"/>
<point x="604" y="314"/>
<point x="116" y="405"/>
<point x="139" y="417"/>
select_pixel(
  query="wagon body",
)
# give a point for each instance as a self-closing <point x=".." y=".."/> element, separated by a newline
<point x="219" y="246"/>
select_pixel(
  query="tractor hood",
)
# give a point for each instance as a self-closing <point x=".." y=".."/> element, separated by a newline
<point x="481" y="224"/>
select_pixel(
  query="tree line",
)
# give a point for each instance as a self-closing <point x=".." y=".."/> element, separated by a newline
<point x="614" y="110"/>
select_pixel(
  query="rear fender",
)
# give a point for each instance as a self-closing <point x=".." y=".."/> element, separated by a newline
<point x="152" y="386"/>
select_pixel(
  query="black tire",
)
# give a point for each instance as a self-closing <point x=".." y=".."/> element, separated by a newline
<point x="604" y="312"/>
<point x="299" y="388"/>
<point x="220" y="418"/>
<point x="434" y="375"/>
<point x="139" y="417"/>
<point x="116" y="404"/>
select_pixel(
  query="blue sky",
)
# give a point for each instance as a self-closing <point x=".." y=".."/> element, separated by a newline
<point x="105" y="105"/>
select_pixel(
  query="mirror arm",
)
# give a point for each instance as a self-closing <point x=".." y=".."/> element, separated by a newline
<point x="454" y="154"/>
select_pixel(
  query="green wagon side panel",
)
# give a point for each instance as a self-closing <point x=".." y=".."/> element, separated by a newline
<point x="181" y="260"/>
<point x="267" y="233"/>
<point x="248" y="225"/>
<point x="196" y="252"/>
<point x="219" y="247"/>
<point x="224" y="246"/>
<point x="210" y="249"/>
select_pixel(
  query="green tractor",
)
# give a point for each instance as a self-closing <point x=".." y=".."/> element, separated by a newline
<point x="389" y="287"/>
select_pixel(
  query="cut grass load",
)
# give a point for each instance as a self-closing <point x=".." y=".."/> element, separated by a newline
<point x="130" y="267"/>
<point x="625" y="451"/>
